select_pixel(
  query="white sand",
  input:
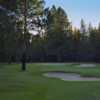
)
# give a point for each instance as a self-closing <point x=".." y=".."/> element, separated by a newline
<point x="87" y="65"/>
<point x="69" y="76"/>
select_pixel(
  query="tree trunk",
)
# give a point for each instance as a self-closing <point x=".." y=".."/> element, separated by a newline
<point x="23" y="62"/>
<point x="25" y="32"/>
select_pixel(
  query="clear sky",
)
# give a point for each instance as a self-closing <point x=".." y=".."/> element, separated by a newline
<point x="89" y="10"/>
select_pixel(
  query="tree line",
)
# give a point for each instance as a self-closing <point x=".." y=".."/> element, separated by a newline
<point x="56" y="40"/>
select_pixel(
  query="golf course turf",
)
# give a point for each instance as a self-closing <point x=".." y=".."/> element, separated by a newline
<point x="32" y="85"/>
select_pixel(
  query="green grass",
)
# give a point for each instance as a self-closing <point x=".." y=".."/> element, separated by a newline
<point x="31" y="85"/>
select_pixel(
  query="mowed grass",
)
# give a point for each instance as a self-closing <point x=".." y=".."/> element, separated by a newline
<point x="32" y="85"/>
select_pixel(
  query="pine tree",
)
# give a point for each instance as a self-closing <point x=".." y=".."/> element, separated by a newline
<point x="28" y="9"/>
<point x="83" y="30"/>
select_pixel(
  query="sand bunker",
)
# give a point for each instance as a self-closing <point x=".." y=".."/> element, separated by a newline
<point x="87" y="65"/>
<point x="69" y="76"/>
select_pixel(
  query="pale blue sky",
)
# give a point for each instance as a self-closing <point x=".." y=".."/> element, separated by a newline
<point x="89" y="10"/>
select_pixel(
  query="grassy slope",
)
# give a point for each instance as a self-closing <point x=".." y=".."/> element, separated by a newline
<point x="31" y="85"/>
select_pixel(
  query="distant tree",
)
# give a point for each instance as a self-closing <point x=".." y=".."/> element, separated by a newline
<point x="57" y="20"/>
<point x="70" y="31"/>
<point x="7" y="30"/>
<point x="76" y="44"/>
<point x="57" y="31"/>
<point x="90" y="28"/>
<point x="83" y="30"/>
<point x="76" y="34"/>
<point x="97" y="43"/>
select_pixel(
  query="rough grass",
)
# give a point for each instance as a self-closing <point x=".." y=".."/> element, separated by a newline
<point x="31" y="85"/>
